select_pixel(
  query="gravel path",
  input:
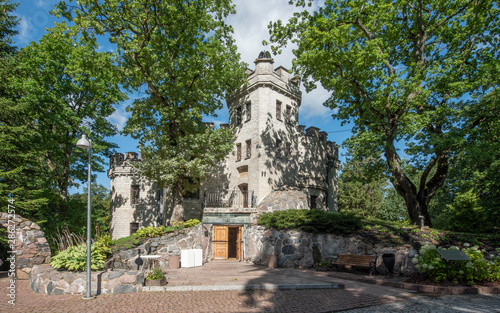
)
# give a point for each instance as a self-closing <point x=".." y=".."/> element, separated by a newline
<point x="423" y="304"/>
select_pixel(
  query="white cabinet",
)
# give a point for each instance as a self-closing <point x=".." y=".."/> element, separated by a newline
<point x="191" y="258"/>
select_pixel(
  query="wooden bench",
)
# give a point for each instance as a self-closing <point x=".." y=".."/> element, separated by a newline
<point x="356" y="260"/>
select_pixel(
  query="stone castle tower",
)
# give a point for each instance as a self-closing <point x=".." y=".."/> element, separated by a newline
<point x="277" y="164"/>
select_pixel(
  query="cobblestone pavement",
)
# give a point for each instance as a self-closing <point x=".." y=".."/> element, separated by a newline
<point x="312" y="300"/>
<point x="356" y="297"/>
<point x="443" y="304"/>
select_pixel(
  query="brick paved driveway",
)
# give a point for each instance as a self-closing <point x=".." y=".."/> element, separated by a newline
<point x="314" y="300"/>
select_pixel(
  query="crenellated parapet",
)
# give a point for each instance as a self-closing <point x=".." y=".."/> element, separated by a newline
<point x="313" y="137"/>
<point x="122" y="165"/>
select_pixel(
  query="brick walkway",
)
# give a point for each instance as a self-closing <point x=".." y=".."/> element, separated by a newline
<point x="314" y="300"/>
<point x="216" y="274"/>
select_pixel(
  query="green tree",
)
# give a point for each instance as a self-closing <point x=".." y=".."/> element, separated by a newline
<point x="100" y="207"/>
<point x="62" y="88"/>
<point x="182" y="55"/>
<point x="474" y="172"/>
<point x="401" y="71"/>
<point x="360" y="191"/>
<point x="8" y="22"/>
<point x="466" y="214"/>
<point x="393" y="207"/>
<point x="19" y="171"/>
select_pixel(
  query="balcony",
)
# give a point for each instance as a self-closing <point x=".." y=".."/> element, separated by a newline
<point x="236" y="199"/>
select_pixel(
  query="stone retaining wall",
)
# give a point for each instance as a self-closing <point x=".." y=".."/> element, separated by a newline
<point x="170" y="244"/>
<point x="30" y="244"/>
<point x="122" y="275"/>
<point x="303" y="250"/>
<point x="46" y="280"/>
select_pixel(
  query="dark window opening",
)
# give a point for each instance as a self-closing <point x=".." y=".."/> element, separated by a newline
<point x="249" y="148"/>
<point x="238" y="152"/>
<point x="238" y="115"/>
<point x="314" y="204"/>
<point x="278" y="110"/>
<point x="244" y="194"/>
<point x="249" y="111"/>
<point x="135" y="195"/>
<point x="134" y="227"/>
<point x="288" y="113"/>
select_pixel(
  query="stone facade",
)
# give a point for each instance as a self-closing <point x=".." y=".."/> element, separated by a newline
<point x="276" y="164"/>
<point x="30" y="243"/>
<point x="125" y="211"/>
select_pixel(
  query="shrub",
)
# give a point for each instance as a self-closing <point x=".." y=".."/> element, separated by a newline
<point x="177" y="225"/>
<point x="169" y="229"/>
<point x="151" y="231"/>
<point x="191" y="223"/>
<point x="74" y="258"/>
<point x="126" y="242"/>
<point x="476" y="270"/>
<point x="313" y="221"/>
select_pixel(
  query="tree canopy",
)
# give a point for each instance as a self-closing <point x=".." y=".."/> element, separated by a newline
<point x="62" y="87"/>
<point x="182" y="59"/>
<point x="360" y="191"/>
<point x="8" y="22"/>
<point x="402" y="71"/>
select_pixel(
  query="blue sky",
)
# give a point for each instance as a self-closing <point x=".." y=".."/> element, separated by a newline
<point x="250" y="29"/>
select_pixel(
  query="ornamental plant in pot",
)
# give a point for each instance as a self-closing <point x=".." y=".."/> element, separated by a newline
<point x="156" y="278"/>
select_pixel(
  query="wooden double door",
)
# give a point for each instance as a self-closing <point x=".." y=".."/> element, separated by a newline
<point x="228" y="242"/>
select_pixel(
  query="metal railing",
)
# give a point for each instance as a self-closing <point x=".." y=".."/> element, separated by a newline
<point x="229" y="199"/>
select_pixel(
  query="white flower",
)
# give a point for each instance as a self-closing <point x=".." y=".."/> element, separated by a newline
<point x="474" y="248"/>
<point x="416" y="255"/>
<point x="422" y="251"/>
<point x="432" y="247"/>
<point x="454" y="248"/>
<point x="492" y="256"/>
<point x="469" y="264"/>
<point x="425" y="265"/>
<point x="466" y="244"/>
<point x="414" y="261"/>
<point x="461" y="272"/>
<point x="431" y="267"/>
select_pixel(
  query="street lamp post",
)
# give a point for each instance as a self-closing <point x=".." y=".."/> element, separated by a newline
<point x="83" y="143"/>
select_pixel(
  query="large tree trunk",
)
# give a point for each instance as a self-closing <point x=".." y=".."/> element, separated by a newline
<point x="416" y="209"/>
<point x="417" y="201"/>
<point x="174" y="209"/>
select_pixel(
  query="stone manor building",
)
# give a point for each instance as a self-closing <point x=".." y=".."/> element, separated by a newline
<point x="277" y="164"/>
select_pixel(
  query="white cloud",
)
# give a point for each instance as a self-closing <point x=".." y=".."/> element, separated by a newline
<point x="119" y="117"/>
<point x="312" y="104"/>
<point x="25" y="30"/>
<point x="42" y="3"/>
<point x="250" y="27"/>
